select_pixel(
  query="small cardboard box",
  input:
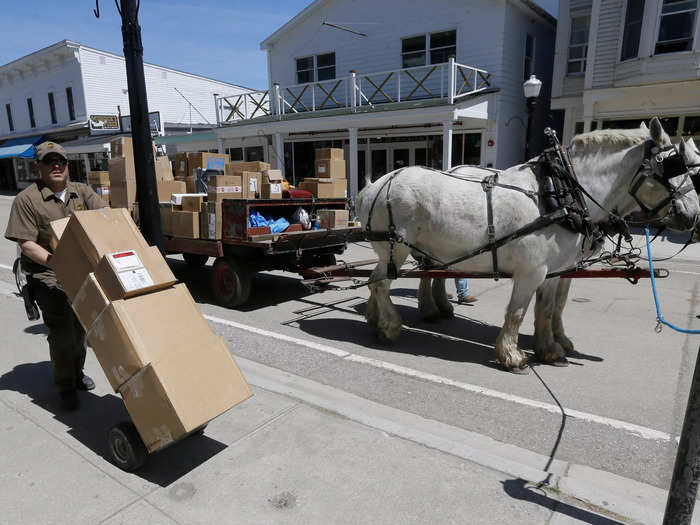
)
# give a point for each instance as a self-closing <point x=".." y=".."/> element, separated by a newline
<point x="206" y="161"/>
<point x="225" y="187"/>
<point x="333" y="169"/>
<point x="271" y="191"/>
<point x="126" y="273"/>
<point x="130" y="333"/>
<point x="250" y="180"/>
<point x="167" y="187"/>
<point x="166" y="218"/>
<point x="210" y="221"/>
<point x="239" y="166"/>
<point x="185" y="224"/>
<point x="191" y="184"/>
<point x="180" y="165"/>
<point x="98" y="178"/>
<point x="163" y="169"/>
<point x="89" y="302"/>
<point x="272" y="176"/>
<point x="86" y="238"/>
<point x="176" y="395"/>
<point x="329" y="154"/>
<point x="192" y="203"/>
<point x="326" y="188"/>
<point x="176" y="198"/>
<point x="334" y="218"/>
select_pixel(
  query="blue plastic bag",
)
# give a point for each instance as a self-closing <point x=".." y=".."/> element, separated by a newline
<point x="256" y="220"/>
<point x="279" y="225"/>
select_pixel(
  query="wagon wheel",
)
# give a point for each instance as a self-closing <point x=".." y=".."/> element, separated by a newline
<point x="195" y="260"/>
<point x="231" y="282"/>
<point x="126" y="447"/>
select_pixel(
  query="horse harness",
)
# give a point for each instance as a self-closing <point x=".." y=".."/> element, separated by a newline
<point x="560" y="197"/>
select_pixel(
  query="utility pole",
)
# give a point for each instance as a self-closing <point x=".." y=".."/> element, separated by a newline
<point x="144" y="163"/>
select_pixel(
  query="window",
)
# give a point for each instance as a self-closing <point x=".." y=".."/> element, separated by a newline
<point x="594" y="125"/>
<point x="578" y="45"/>
<point x="633" y="29"/>
<point x="442" y="46"/>
<point x="69" y="100"/>
<point x="30" y="108"/>
<point x="529" y="66"/>
<point x="691" y="126"/>
<point x="316" y="68"/>
<point x="52" y="108"/>
<point x="10" y="122"/>
<point x="676" y="26"/>
<point x="578" y="128"/>
<point x="413" y="51"/>
<point x="254" y="153"/>
<point x="235" y="154"/>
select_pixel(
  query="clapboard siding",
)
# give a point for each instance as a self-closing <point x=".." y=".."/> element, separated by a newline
<point x="607" y="42"/>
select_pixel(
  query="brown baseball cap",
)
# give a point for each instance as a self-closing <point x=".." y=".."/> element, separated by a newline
<point x="47" y="147"/>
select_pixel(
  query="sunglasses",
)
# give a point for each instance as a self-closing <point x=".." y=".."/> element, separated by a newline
<point x="54" y="161"/>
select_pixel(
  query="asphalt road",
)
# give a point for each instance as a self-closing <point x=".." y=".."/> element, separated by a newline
<point x="624" y="393"/>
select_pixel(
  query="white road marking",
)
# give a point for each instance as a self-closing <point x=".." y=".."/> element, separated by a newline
<point x="687" y="273"/>
<point x="5" y="267"/>
<point x="7" y="197"/>
<point x="644" y="432"/>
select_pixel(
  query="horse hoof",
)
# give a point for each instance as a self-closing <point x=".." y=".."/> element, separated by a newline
<point x="561" y="362"/>
<point x="521" y="371"/>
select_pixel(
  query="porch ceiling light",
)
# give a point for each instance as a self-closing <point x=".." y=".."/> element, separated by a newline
<point x="531" y="87"/>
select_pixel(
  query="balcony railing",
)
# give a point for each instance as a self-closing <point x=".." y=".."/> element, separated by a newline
<point x="449" y="81"/>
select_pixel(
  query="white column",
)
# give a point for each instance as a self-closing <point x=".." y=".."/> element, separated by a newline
<point x="278" y="155"/>
<point x="368" y="161"/>
<point x="447" y="145"/>
<point x="86" y="163"/>
<point x="353" y="182"/>
<point x="220" y="145"/>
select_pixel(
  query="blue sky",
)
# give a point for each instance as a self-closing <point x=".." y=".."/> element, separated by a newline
<point x="215" y="38"/>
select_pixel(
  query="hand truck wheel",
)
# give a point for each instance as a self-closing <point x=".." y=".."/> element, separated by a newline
<point x="126" y="447"/>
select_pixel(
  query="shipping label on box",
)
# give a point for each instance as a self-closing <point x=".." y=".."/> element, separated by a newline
<point x="271" y="191"/>
<point x="121" y="261"/>
<point x="330" y="168"/>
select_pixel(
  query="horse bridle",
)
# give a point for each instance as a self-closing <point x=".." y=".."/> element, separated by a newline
<point x="651" y="185"/>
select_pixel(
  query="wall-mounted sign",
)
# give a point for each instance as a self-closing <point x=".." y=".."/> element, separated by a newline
<point x="153" y="120"/>
<point x="103" y="123"/>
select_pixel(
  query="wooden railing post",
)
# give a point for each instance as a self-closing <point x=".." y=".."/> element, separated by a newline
<point x="451" y="70"/>
<point x="278" y="108"/>
<point x="217" y="110"/>
<point x="353" y="90"/>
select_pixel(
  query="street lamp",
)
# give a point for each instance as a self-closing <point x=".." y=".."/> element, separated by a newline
<point x="531" y="89"/>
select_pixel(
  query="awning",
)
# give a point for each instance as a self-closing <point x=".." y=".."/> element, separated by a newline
<point x="23" y="148"/>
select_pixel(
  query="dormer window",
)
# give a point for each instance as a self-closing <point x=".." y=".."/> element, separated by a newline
<point x="676" y="26"/>
<point x="316" y="68"/>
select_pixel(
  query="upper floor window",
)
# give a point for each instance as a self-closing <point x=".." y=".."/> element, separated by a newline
<point x="30" y="108"/>
<point x="529" y="65"/>
<point x="441" y="45"/>
<point x="10" y="122"/>
<point x="633" y="29"/>
<point x="69" y="100"/>
<point x="676" y="26"/>
<point x="52" y="109"/>
<point x="578" y="45"/>
<point x="316" y="68"/>
<point x="691" y="126"/>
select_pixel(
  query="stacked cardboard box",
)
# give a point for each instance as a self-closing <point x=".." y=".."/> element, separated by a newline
<point x="99" y="181"/>
<point x="326" y="188"/>
<point x="330" y="181"/>
<point x="272" y="185"/>
<point x="152" y="342"/>
<point x="333" y="218"/>
<point x="204" y="161"/>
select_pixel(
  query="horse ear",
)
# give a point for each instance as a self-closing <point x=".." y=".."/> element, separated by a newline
<point x="681" y="147"/>
<point x="643" y="126"/>
<point x="657" y="133"/>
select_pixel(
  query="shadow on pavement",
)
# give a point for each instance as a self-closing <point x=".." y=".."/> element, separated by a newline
<point x="90" y="424"/>
<point x="524" y="491"/>
<point x="36" y="329"/>
<point x="268" y="290"/>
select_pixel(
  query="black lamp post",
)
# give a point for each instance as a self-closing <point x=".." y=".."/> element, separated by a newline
<point x="531" y="89"/>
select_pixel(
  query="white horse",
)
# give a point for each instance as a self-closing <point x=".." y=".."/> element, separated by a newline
<point x="447" y="218"/>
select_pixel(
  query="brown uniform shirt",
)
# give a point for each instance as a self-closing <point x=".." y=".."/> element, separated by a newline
<point x="32" y="211"/>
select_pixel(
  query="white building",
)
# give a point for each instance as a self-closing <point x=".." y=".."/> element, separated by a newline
<point x="376" y="78"/>
<point x="622" y="61"/>
<point x="67" y="91"/>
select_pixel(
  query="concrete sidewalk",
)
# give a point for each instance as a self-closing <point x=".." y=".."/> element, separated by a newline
<point x="297" y="452"/>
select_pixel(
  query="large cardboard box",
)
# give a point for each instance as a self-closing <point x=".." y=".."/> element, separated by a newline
<point x="332" y="169"/>
<point x="180" y="165"/>
<point x="185" y="224"/>
<point x="87" y="237"/>
<point x="125" y="274"/>
<point x="123" y="195"/>
<point x="239" y="166"/>
<point x="192" y="203"/>
<point x="225" y="187"/>
<point x="98" y="178"/>
<point x="329" y="154"/>
<point x="122" y="147"/>
<point x="272" y="176"/>
<point x="89" y="302"/>
<point x="271" y="191"/>
<point x="130" y="333"/>
<point x="166" y="188"/>
<point x="163" y="169"/>
<point x="251" y="181"/>
<point x="326" y="188"/>
<point x="210" y="221"/>
<point x="121" y="169"/>
<point x="103" y="191"/>
<point x="334" y="218"/>
<point x="57" y="228"/>
<point x="174" y="396"/>
<point x="166" y="217"/>
<point x="206" y="161"/>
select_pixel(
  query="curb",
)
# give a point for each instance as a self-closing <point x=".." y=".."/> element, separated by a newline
<point x="608" y="492"/>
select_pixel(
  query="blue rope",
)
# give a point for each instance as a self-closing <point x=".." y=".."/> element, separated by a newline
<point x="659" y="319"/>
